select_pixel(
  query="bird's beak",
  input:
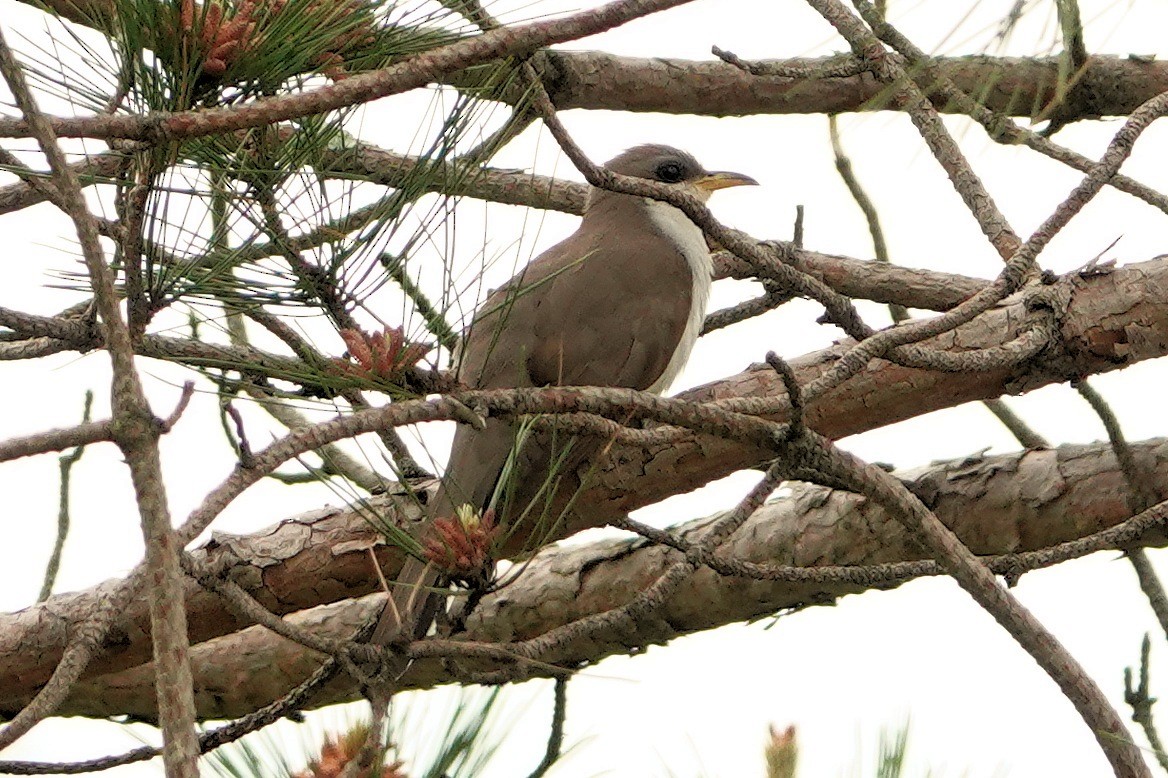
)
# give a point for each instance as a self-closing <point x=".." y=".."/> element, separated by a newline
<point x="720" y="179"/>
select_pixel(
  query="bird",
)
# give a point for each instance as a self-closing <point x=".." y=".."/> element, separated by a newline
<point x="619" y="303"/>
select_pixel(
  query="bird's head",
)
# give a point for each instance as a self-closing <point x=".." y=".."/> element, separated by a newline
<point x="675" y="167"/>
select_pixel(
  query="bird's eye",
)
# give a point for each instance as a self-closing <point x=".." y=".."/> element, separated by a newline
<point x="669" y="172"/>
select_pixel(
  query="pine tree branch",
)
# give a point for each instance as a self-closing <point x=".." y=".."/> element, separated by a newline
<point x="1062" y="495"/>
<point x="1107" y="321"/>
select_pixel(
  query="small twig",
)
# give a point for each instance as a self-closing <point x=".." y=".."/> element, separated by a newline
<point x="794" y="393"/>
<point x="184" y="399"/>
<point x="1071" y="61"/>
<point x="65" y="465"/>
<point x="474" y="12"/>
<point x="1140" y="494"/>
<point x="34" y="189"/>
<point x="246" y="458"/>
<point x="1141" y="703"/>
<point x="55" y="440"/>
<point x="1150" y="585"/>
<point x="555" y="744"/>
<point x="768" y="301"/>
<point x="1022" y="432"/>
<point x="131" y="202"/>
<point x="36" y="181"/>
<point x="843" y="165"/>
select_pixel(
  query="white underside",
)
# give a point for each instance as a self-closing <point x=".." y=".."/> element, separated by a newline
<point x="675" y="224"/>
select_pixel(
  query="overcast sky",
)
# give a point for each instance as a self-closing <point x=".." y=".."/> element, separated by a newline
<point x="979" y="706"/>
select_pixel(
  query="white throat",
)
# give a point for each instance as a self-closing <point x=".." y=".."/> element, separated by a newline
<point x="673" y="223"/>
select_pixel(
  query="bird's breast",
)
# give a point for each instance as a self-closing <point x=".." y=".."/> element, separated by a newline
<point x="691" y="243"/>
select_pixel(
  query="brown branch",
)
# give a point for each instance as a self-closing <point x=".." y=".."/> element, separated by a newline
<point x="601" y="81"/>
<point x="813" y="531"/>
<point x="1010" y="86"/>
<point x="55" y="440"/>
<point x="409" y="73"/>
<point x="1106" y="322"/>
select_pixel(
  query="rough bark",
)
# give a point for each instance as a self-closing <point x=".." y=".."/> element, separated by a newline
<point x="1105" y="321"/>
<point x="998" y="505"/>
<point x="1007" y="85"/>
<point x="1106" y="86"/>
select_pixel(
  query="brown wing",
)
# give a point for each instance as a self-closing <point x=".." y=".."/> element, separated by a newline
<point x="616" y="317"/>
<point x="594" y="310"/>
<point x="495" y="351"/>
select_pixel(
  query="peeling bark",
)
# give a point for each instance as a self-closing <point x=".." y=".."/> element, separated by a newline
<point x="1106" y="320"/>
<point x="998" y="505"/>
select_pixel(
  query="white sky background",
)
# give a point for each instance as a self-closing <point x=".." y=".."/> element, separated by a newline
<point x="979" y="706"/>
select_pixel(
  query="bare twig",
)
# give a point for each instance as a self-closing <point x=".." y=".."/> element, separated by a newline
<point x="1021" y="431"/>
<point x="1141" y="702"/>
<point x="1141" y="493"/>
<point x="55" y="440"/>
<point x="65" y="465"/>
<point x="555" y="744"/>
<point x="843" y="165"/>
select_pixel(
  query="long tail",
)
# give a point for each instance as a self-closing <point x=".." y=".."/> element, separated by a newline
<point x="413" y="600"/>
<point x="412" y="604"/>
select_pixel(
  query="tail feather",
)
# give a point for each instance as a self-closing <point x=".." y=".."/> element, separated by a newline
<point x="412" y="604"/>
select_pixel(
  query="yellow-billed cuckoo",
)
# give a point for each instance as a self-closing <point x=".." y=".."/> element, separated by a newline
<point x="618" y="303"/>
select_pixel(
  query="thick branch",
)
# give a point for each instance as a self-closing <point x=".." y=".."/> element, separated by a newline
<point x="409" y="73"/>
<point x="601" y="81"/>
<point x="928" y="290"/>
<point x="1105" y="322"/>
<point x="1007" y="85"/>
<point x="1054" y="496"/>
